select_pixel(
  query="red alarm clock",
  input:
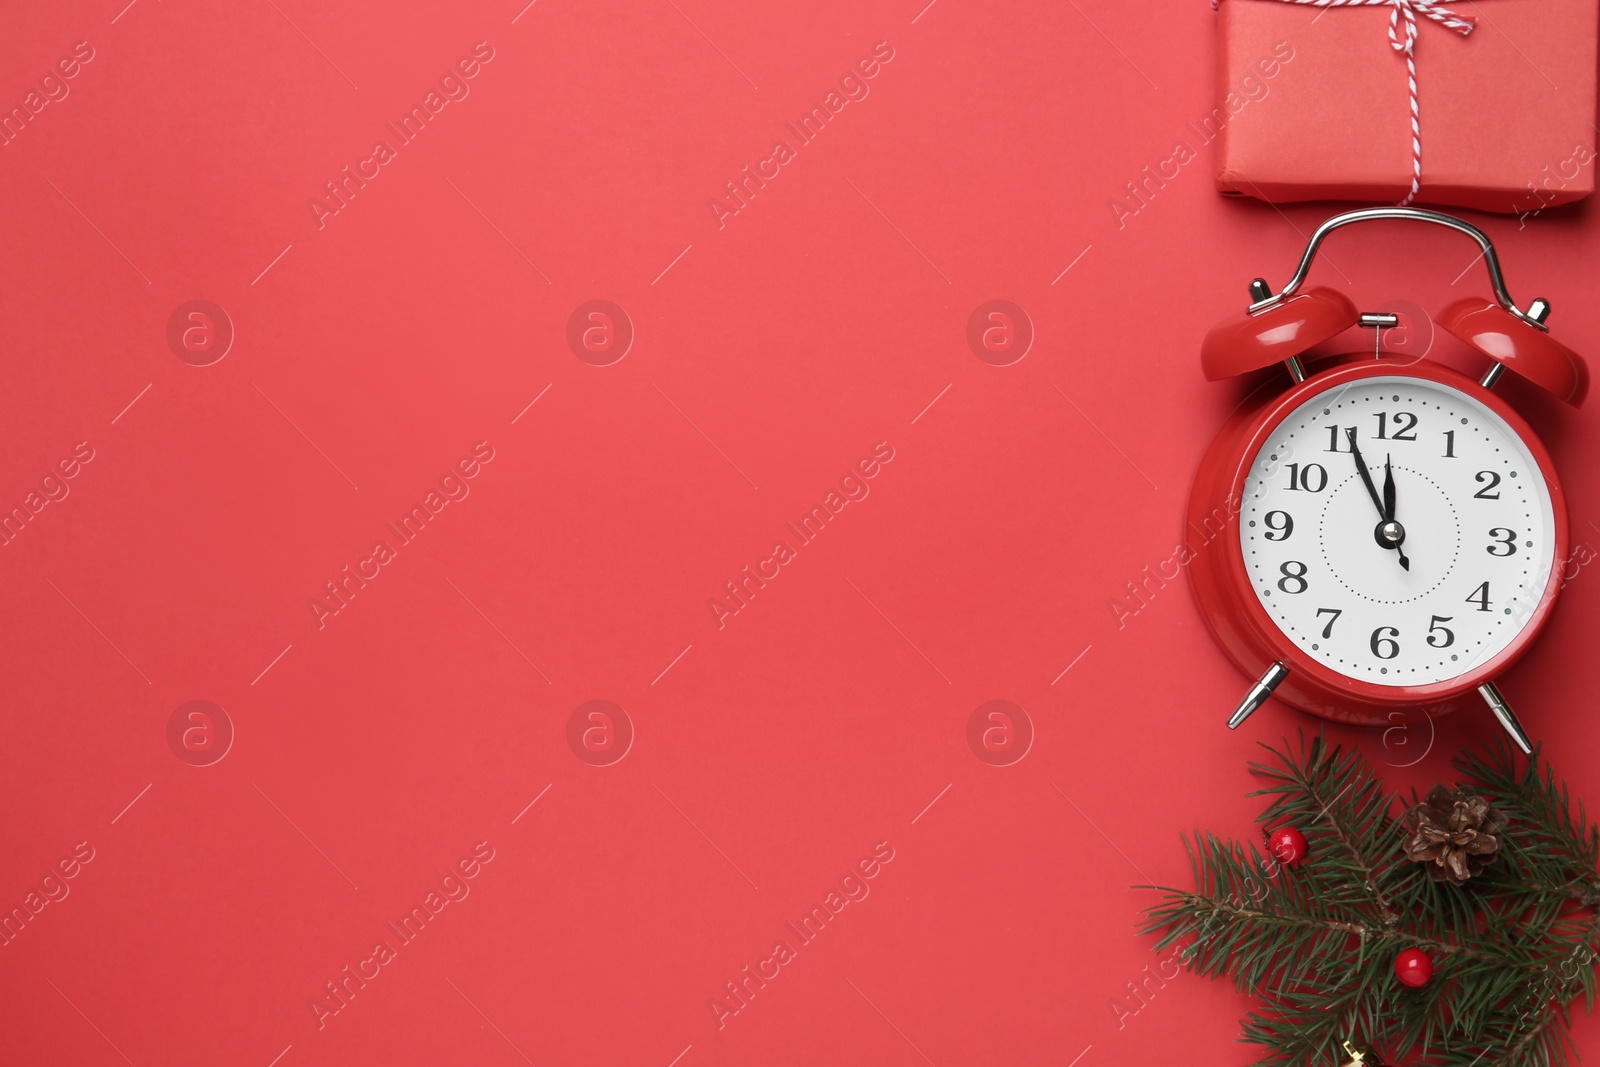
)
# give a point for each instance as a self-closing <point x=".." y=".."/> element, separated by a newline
<point x="1380" y="536"/>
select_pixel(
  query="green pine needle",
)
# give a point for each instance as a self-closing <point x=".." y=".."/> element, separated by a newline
<point x="1512" y="950"/>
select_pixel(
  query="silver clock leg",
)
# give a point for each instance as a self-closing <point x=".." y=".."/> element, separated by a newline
<point x="1258" y="694"/>
<point x="1502" y="711"/>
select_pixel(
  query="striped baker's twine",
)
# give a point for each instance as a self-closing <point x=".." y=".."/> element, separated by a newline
<point x="1406" y="44"/>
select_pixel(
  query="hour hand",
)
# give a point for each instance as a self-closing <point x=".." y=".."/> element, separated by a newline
<point x="1391" y="530"/>
<point x="1388" y="489"/>
<point x="1389" y="533"/>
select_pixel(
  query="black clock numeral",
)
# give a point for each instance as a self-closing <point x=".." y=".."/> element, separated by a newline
<point x="1449" y="444"/>
<point x="1480" y="597"/>
<point x="1383" y="643"/>
<point x="1436" y="630"/>
<point x="1484" y="494"/>
<point x="1292" y="577"/>
<point x="1327" y="631"/>
<point x="1335" y="436"/>
<point x="1405" y="426"/>
<point x="1313" y="479"/>
<point x="1284" y="527"/>
<point x="1503" y="536"/>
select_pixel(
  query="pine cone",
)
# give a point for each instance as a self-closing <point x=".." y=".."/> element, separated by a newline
<point x="1455" y="832"/>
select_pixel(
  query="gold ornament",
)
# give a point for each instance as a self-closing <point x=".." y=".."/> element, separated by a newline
<point x="1359" y="1057"/>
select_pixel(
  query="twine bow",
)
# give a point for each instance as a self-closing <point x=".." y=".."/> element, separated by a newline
<point x="1405" y="42"/>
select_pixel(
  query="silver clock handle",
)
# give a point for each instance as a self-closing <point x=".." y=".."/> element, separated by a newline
<point x="1263" y="298"/>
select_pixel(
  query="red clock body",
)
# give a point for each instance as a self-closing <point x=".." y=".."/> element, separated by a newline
<point x="1232" y="608"/>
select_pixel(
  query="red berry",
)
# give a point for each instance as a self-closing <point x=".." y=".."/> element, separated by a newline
<point x="1413" y="967"/>
<point x="1287" y="845"/>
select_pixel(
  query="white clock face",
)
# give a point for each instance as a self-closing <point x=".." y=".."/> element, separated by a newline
<point x="1472" y="520"/>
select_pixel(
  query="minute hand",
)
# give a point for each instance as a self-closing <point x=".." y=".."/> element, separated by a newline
<point x="1384" y="513"/>
<point x="1389" y="533"/>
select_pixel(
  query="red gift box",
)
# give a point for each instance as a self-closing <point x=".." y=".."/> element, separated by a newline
<point x="1315" y="102"/>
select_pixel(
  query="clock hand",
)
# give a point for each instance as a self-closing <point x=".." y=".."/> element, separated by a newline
<point x="1366" y="475"/>
<point x="1389" y="533"/>
<point x="1388" y="490"/>
<point x="1391" y="530"/>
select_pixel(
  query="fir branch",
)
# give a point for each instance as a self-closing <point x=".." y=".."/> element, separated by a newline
<point x="1371" y="934"/>
<point x="1345" y="798"/>
<point x="1512" y="950"/>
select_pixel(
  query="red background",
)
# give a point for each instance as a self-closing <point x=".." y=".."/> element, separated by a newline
<point x="770" y="354"/>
